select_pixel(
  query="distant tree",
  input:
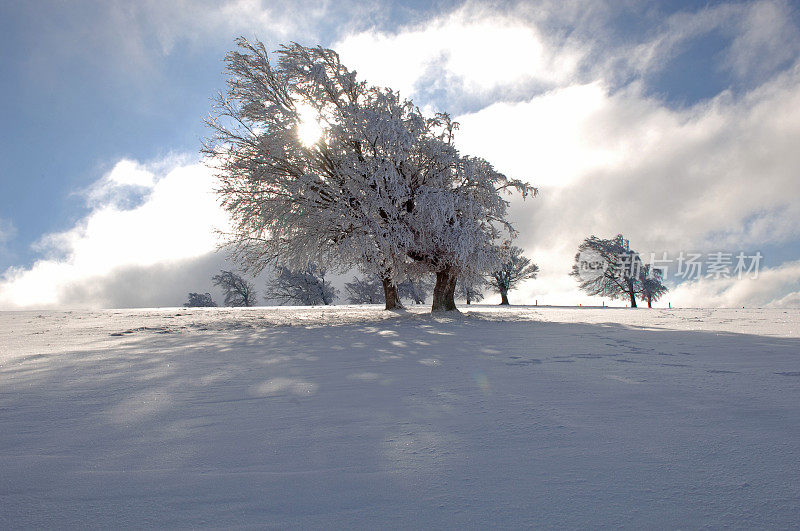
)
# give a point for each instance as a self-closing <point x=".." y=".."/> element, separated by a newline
<point x="471" y="290"/>
<point x="306" y="287"/>
<point x="609" y="268"/>
<point x="197" y="300"/>
<point x="514" y="270"/>
<point x="364" y="290"/>
<point x="415" y="290"/>
<point x="237" y="290"/>
<point x="653" y="287"/>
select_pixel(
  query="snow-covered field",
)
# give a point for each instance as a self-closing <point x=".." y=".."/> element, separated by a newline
<point x="354" y="417"/>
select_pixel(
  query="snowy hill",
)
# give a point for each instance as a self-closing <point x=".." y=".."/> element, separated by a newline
<point x="355" y="417"/>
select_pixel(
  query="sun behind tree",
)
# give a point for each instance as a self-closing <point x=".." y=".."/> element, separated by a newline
<point x="380" y="187"/>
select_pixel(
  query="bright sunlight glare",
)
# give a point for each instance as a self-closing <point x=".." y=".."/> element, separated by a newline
<point x="309" y="130"/>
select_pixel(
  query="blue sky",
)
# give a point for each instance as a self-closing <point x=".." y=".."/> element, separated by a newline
<point x="670" y="122"/>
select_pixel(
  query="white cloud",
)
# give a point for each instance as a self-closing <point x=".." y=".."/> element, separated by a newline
<point x="129" y="173"/>
<point x="762" y="37"/>
<point x="473" y="49"/>
<point x="176" y="222"/>
<point x="537" y="140"/>
<point x="721" y="175"/>
<point x="775" y="287"/>
<point x="766" y="37"/>
<point x="721" y="172"/>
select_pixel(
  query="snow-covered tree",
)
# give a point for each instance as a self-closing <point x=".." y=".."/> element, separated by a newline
<point x="294" y="198"/>
<point x="460" y="221"/>
<point x="198" y="300"/>
<point x="471" y="290"/>
<point x="306" y="287"/>
<point x="364" y="290"/>
<point x="609" y="268"/>
<point x="514" y="269"/>
<point x="237" y="290"/>
<point x="415" y="290"/>
<point x="653" y="287"/>
<point x="315" y="165"/>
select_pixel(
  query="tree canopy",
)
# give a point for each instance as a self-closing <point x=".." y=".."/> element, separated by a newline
<point x="199" y="300"/>
<point x="652" y="284"/>
<point x="305" y="287"/>
<point x="513" y="270"/>
<point x="610" y="268"/>
<point x="237" y="290"/>
<point x="364" y="290"/>
<point x="381" y="187"/>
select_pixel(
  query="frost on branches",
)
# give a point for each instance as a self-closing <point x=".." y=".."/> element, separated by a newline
<point x="237" y="290"/>
<point x="415" y="290"/>
<point x="471" y="290"/>
<point x="370" y="291"/>
<point x="317" y="166"/>
<point x="364" y="290"/>
<point x="652" y="284"/>
<point x="303" y="287"/>
<point x="610" y="268"/>
<point x="514" y="269"/>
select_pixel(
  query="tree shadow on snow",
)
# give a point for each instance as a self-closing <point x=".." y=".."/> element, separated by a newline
<point x="411" y="421"/>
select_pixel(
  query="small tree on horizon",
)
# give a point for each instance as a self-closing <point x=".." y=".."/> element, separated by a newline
<point x="652" y="284"/>
<point x="199" y="300"/>
<point x="415" y="290"/>
<point x="470" y="290"/>
<point x="305" y="287"/>
<point x="608" y="268"/>
<point x="513" y="271"/>
<point x="237" y="290"/>
<point x="364" y="291"/>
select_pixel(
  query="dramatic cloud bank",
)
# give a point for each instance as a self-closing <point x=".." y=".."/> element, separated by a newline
<point x="150" y="232"/>
<point x="719" y="175"/>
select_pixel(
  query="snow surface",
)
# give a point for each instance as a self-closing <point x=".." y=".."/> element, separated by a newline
<point x="355" y="417"/>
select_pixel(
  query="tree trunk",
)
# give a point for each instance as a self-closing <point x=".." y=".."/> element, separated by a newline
<point x="649" y="302"/>
<point x="390" y="294"/>
<point x="633" y="298"/>
<point x="504" y="297"/>
<point x="444" y="290"/>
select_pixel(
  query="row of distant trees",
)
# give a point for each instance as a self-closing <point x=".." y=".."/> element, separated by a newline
<point x="603" y="267"/>
<point x="236" y="290"/>
<point x="502" y="280"/>
<point x="309" y="287"/>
